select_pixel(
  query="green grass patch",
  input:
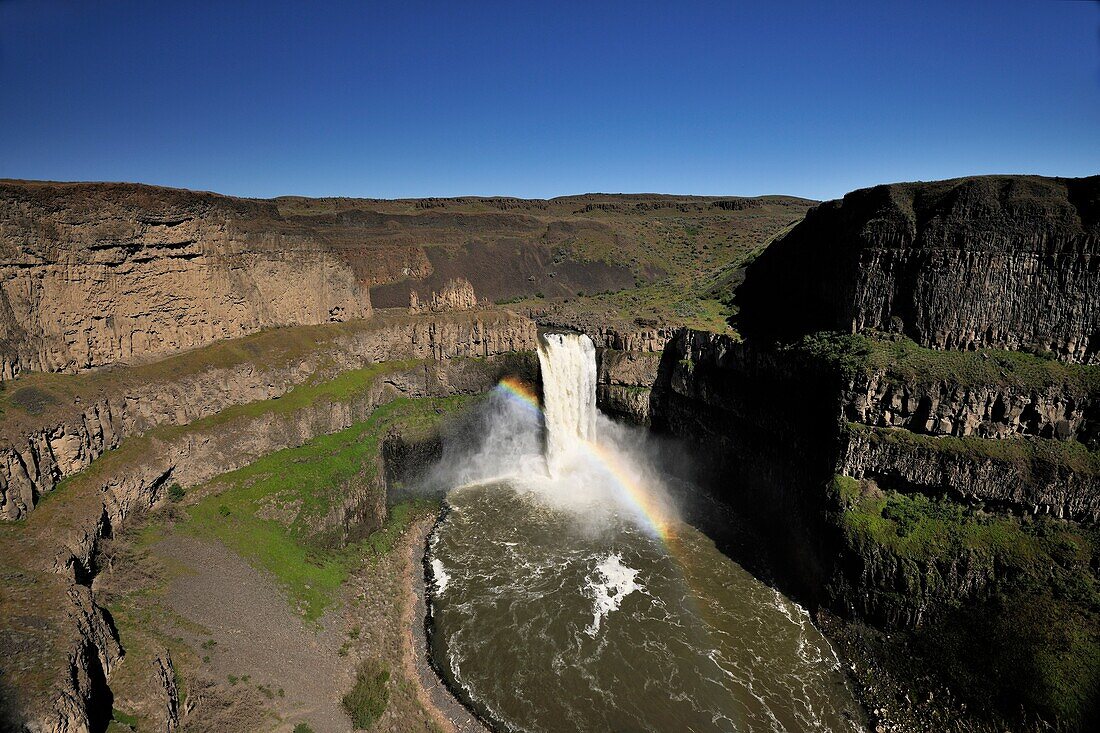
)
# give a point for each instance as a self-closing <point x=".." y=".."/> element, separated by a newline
<point x="272" y="512"/>
<point x="668" y="301"/>
<point x="905" y="362"/>
<point x="1027" y="453"/>
<point x="120" y="717"/>
<point x="1031" y="636"/>
<point x="367" y="700"/>
<point x="925" y="529"/>
<point x="343" y="388"/>
<point x="847" y="489"/>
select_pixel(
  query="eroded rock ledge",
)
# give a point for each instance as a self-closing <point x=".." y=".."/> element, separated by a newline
<point x="54" y="427"/>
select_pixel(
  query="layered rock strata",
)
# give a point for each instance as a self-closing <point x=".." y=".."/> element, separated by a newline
<point x="944" y="407"/>
<point x="90" y="415"/>
<point x="1005" y="261"/>
<point x="1028" y="483"/>
<point x="92" y="275"/>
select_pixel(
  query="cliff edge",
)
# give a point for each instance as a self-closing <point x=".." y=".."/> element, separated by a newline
<point x="995" y="261"/>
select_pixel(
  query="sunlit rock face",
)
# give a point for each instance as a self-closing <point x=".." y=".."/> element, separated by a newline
<point x="96" y="274"/>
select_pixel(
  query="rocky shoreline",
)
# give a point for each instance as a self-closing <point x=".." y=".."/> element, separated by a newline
<point x="432" y="690"/>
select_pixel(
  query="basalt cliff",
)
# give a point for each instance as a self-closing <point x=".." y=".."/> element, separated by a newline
<point x="904" y="415"/>
<point x="912" y="415"/>
<point x="1008" y="262"/>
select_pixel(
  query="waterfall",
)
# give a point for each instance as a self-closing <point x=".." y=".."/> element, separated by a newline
<point x="568" y="363"/>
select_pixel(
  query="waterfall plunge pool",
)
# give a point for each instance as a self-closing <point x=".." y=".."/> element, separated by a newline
<point x="566" y="595"/>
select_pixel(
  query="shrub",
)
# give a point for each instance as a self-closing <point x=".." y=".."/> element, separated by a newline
<point x="223" y="510"/>
<point x="302" y="728"/>
<point x="367" y="700"/>
<point x="125" y="719"/>
<point x="176" y="493"/>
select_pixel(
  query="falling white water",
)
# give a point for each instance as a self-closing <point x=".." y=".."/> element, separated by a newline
<point x="568" y="363"/>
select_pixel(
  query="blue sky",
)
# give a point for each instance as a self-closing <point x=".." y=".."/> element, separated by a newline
<point x="389" y="99"/>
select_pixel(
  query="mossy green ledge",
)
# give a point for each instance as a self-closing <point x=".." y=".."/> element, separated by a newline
<point x="1021" y="475"/>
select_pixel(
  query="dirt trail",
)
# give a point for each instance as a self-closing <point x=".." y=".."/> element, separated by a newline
<point x="247" y="660"/>
<point x="258" y="639"/>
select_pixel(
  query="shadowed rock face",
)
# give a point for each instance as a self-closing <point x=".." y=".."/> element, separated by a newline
<point x="1002" y="261"/>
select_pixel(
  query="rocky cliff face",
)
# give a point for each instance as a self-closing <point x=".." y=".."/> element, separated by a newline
<point x="971" y="501"/>
<point x="1006" y="261"/>
<point x="457" y="295"/>
<point x="1024" y="483"/>
<point x="945" y="407"/>
<point x="80" y="423"/>
<point x="93" y="274"/>
<point x="624" y="383"/>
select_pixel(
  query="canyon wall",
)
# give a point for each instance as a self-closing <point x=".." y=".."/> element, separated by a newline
<point x="92" y="274"/>
<point x="946" y="407"/>
<point x="977" y="472"/>
<point x="99" y="273"/>
<point x="945" y="539"/>
<point x="50" y="432"/>
<point x="1003" y="261"/>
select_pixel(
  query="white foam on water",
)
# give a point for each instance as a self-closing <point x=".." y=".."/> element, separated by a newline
<point x="609" y="583"/>
<point x="440" y="576"/>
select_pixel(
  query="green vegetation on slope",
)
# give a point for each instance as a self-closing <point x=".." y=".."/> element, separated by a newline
<point x="1033" y="636"/>
<point x="345" y="387"/>
<point x="686" y="261"/>
<point x="35" y="399"/>
<point x="923" y="529"/>
<point x="367" y="700"/>
<point x="272" y="511"/>
<point x="1026" y="453"/>
<point x="905" y="362"/>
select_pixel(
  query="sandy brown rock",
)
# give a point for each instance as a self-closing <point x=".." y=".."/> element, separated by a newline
<point x="457" y="295"/>
<point x="92" y="276"/>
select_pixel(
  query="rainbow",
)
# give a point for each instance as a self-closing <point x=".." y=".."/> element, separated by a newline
<point x="637" y="496"/>
<point x="520" y="392"/>
<point x="641" y="499"/>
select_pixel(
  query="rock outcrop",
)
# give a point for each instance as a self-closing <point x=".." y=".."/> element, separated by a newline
<point x="1020" y="483"/>
<point x="1061" y="412"/>
<point x="80" y="427"/>
<point x="624" y="383"/>
<point x="1004" y="261"/>
<point x="92" y="274"/>
<point x="457" y="295"/>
